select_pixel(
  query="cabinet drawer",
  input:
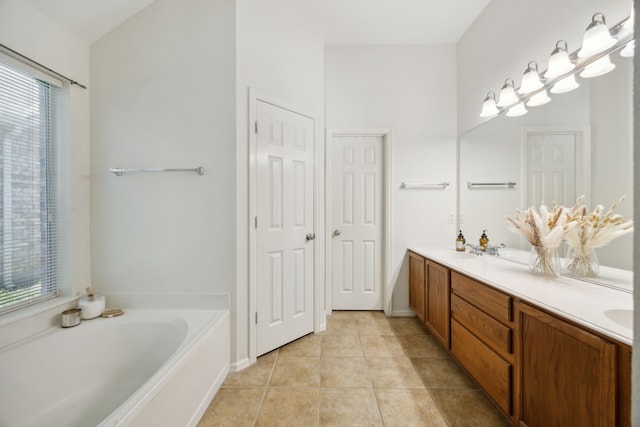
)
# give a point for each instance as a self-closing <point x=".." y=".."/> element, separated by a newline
<point x="491" y="301"/>
<point x="486" y="367"/>
<point x="490" y="331"/>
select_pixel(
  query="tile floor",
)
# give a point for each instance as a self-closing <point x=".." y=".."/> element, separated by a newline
<point x="366" y="369"/>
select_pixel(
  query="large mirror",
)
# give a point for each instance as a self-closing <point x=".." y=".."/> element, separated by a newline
<point x="592" y="125"/>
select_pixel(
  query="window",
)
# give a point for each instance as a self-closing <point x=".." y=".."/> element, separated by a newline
<point x="30" y="107"/>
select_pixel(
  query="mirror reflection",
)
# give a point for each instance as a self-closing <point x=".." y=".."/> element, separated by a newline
<point x="587" y="137"/>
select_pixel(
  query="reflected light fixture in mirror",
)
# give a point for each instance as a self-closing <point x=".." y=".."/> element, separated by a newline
<point x="559" y="62"/>
<point x="598" y="68"/>
<point x="489" y="107"/>
<point x="565" y="85"/>
<point x="627" y="28"/>
<point x="517" y="110"/>
<point x="507" y="94"/>
<point x="629" y="49"/>
<point x="538" y="99"/>
<point x="597" y="37"/>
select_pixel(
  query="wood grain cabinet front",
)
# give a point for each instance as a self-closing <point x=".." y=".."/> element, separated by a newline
<point x="417" y="300"/>
<point x="438" y="288"/>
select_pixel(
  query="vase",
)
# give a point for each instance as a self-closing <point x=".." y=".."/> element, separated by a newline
<point x="544" y="261"/>
<point x="581" y="264"/>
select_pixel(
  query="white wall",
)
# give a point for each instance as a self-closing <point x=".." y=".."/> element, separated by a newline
<point x="508" y="34"/>
<point x="163" y="97"/>
<point x="279" y="53"/>
<point x="26" y="30"/>
<point x="411" y="90"/>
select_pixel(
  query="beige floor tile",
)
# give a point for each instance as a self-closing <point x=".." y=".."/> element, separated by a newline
<point x="296" y="372"/>
<point x="442" y="373"/>
<point x="393" y="372"/>
<point x="341" y="314"/>
<point x="341" y="345"/>
<point x="340" y="326"/>
<point x="306" y="346"/>
<point x="381" y="346"/>
<point x="407" y="326"/>
<point x="233" y="407"/>
<point x="344" y="372"/>
<point x="255" y="375"/>
<point x="462" y="408"/>
<point x="368" y="315"/>
<point x="373" y="326"/>
<point x="422" y="346"/>
<point x="348" y="407"/>
<point x="408" y="407"/>
<point x="289" y="406"/>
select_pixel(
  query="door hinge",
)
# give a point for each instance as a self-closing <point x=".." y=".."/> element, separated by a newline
<point x="255" y="126"/>
<point x="256" y="317"/>
<point x="255" y="222"/>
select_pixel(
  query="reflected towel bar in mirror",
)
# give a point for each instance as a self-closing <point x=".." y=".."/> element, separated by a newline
<point x="491" y="185"/>
<point x="419" y="185"/>
<point x="119" y="171"/>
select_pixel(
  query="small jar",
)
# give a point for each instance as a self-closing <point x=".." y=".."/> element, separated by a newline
<point x="92" y="307"/>
<point x="70" y="318"/>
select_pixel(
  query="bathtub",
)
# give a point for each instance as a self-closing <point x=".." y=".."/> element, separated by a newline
<point x="145" y="368"/>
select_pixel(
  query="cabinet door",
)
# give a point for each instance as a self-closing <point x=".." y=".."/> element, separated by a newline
<point x="438" y="307"/>
<point x="567" y="375"/>
<point x="417" y="285"/>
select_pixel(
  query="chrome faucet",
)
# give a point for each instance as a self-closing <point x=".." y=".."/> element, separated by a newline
<point x="474" y="249"/>
<point x="493" y="250"/>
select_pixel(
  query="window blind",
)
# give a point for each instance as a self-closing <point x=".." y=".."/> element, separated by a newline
<point x="30" y="112"/>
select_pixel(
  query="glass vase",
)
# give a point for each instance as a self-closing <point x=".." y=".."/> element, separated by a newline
<point x="582" y="264"/>
<point x="544" y="261"/>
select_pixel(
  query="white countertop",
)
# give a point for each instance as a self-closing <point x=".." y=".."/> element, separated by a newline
<point x="600" y="308"/>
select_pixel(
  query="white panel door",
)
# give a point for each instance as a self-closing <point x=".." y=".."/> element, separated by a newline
<point x="357" y="221"/>
<point x="284" y="233"/>
<point x="551" y="168"/>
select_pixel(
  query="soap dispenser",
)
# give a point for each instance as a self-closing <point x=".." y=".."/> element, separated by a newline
<point x="484" y="241"/>
<point x="460" y="241"/>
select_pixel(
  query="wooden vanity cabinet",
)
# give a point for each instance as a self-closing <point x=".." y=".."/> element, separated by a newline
<point x="482" y="331"/>
<point x="417" y="299"/>
<point x="438" y="291"/>
<point x="569" y="375"/>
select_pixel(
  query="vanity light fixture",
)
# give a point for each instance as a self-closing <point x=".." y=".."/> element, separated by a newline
<point x="517" y="110"/>
<point x="530" y="79"/>
<point x="507" y="94"/>
<point x="565" y="85"/>
<point x="629" y="49"/>
<point x="538" y="99"/>
<point x="489" y="107"/>
<point x="597" y="37"/>
<point x="559" y="62"/>
<point x="598" y="68"/>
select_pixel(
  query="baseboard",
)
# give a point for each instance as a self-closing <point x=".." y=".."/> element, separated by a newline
<point x="402" y="313"/>
<point x="240" y="365"/>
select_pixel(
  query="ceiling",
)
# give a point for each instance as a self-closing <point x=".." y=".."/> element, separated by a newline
<point x="373" y="22"/>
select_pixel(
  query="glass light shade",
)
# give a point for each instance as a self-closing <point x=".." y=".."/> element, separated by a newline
<point x="517" y="110"/>
<point x="559" y="61"/>
<point x="538" y="99"/>
<point x="629" y="49"/>
<point x="567" y="84"/>
<point x="598" y="68"/>
<point x="507" y="94"/>
<point x="629" y="24"/>
<point x="530" y="79"/>
<point x="597" y="38"/>
<point x="489" y="106"/>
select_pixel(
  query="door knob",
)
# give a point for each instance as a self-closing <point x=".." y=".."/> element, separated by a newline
<point x="310" y="236"/>
<point x="336" y="232"/>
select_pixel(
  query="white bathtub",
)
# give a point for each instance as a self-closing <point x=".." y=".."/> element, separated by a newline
<point x="145" y="368"/>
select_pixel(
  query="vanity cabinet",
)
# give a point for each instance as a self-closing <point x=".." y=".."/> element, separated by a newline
<point x="482" y="330"/>
<point x="417" y="299"/>
<point x="569" y="375"/>
<point x="438" y="291"/>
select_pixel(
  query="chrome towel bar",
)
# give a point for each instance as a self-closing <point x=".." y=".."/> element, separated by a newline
<point x="491" y="185"/>
<point x="418" y="185"/>
<point x="119" y="171"/>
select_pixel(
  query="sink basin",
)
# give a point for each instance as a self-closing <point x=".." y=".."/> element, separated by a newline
<point x="621" y="316"/>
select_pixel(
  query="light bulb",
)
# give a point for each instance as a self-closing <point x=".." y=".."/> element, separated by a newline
<point x="598" y="68"/>
<point x="507" y="94"/>
<point x="530" y="79"/>
<point x="538" y="99"/>
<point x="567" y="84"/>
<point x="597" y="37"/>
<point x="559" y="61"/>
